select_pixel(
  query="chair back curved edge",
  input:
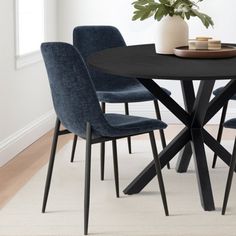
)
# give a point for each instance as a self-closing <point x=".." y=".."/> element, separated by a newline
<point x="73" y="93"/>
<point x="93" y="38"/>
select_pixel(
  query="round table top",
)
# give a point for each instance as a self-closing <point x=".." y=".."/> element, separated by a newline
<point x="141" y="61"/>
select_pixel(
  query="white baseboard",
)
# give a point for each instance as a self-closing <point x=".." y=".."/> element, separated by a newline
<point x="24" y="137"/>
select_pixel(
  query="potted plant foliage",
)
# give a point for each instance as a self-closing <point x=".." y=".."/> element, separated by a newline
<point x="171" y="14"/>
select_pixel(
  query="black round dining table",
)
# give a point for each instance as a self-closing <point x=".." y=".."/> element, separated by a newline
<point x="143" y="63"/>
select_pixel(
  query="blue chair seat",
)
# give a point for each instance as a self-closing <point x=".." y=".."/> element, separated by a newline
<point x="219" y="90"/>
<point x="123" y="125"/>
<point x="133" y="93"/>
<point x="230" y="124"/>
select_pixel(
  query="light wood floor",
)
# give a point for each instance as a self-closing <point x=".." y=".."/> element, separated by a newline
<point x="18" y="171"/>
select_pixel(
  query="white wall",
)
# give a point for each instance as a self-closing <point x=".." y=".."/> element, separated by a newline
<point x="25" y="104"/>
<point x="119" y="14"/>
<point x="68" y="18"/>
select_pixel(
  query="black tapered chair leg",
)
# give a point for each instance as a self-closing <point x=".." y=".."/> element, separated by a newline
<point x="128" y="138"/>
<point x="162" y="134"/>
<point x="102" y="148"/>
<point x="220" y="131"/>
<point x="102" y="160"/>
<point x="51" y="164"/>
<point x="87" y="178"/>
<point x="229" y="179"/>
<point x="73" y="148"/>
<point x="158" y="171"/>
<point x="116" y="170"/>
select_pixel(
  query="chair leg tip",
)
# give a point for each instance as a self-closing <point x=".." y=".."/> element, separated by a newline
<point x="86" y="231"/>
<point x="43" y="209"/>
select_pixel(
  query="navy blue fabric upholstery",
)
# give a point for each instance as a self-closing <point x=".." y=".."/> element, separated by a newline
<point x="134" y="93"/>
<point x="230" y="124"/>
<point x="219" y="90"/>
<point x="75" y="100"/>
<point x="134" y="123"/>
<point x="110" y="88"/>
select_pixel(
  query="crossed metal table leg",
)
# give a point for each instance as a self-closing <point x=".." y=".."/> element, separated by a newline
<point x="191" y="139"/>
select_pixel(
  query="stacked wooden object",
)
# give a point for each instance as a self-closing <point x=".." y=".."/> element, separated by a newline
<point x="204" y="43"/>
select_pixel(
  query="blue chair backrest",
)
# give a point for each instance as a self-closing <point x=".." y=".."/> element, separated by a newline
<point x="73" y="93"/>
<point x="91" y="39"/>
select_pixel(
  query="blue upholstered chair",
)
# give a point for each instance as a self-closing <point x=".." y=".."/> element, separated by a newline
<point x="110" y="88"/>
<point x="77" y="107"/>
<point x="222" y="120"/>
<point x="232" y="125"/>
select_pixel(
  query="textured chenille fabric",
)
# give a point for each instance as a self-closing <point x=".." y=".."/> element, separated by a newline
<point x="75" y="100"/>
<point x="110" y="88"/>
<point x="230" y="124"/>
<point x="219" y="90"/>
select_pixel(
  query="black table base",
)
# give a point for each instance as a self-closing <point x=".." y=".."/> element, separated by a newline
<point x="186" y="152"/>
<point x="198" y="111"/>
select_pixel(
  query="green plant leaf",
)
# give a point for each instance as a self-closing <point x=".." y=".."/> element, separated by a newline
<point x="160" y="13"/>
<point x="183" y="8"/>
<point x="146" y="13"/>
<point x="187" y="15"/>
<point x="139" y="7"/>
<point x="165" y="2"/>
<point x="140" y="2"/>
<point x="206" y="20"/>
